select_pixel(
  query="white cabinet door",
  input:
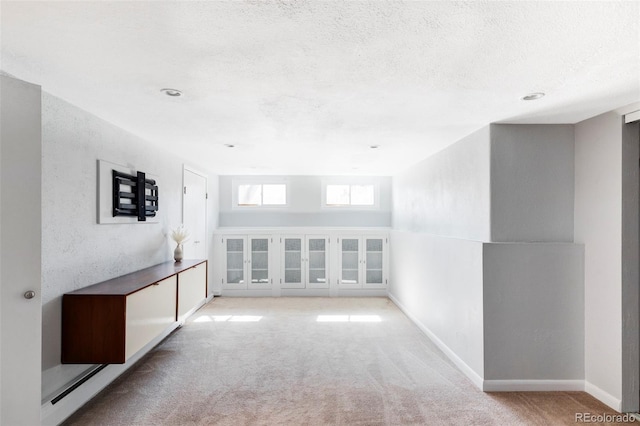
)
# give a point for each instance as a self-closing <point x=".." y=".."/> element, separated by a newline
<point x="374" y="261"/>
<point x="235" y="262"/>
<point x="350" y="260"/>
<point x="149" y="312"/>
<point x="362" y="261"/>
<point x="304" y="261"/>
<point x="291" y="261"/>
<point x="259" y="262"/>
<point x="317" y="261"/>
<point x="192" y="289"/>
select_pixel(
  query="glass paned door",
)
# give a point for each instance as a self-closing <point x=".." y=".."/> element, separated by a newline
<point x="317" y="262"/>
<point x="350" y="261"/>
<point x="292" y="273"/>
<point x="259" y="262"/>
<point x="235" y="261"/>
<point x="374" y="261"/>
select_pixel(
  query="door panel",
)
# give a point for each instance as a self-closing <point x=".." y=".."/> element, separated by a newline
<point x="194" y="211"/>
<point x="259" y="262"/>
<point x="292" y="264"/>
<point x="20" y="253"/>
<point x="317" y="262"/>
<point x="350" y="262"/>
<point x="235" y="262"/>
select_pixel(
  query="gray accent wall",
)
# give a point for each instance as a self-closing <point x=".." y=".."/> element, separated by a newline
<point x="533" y="311"/>
<point x="532" y="182"/>
<point x="507" y="311"/>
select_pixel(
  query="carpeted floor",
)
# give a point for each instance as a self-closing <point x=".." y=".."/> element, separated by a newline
<point x="311" y="361"/>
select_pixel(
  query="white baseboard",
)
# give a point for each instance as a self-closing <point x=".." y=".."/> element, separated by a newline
<point x="311" y="292"/>
<point x="532" y="385"/>
<point x="54" y="414"/>
<point x="603" y="396"/>
<point x="468" y="371"/>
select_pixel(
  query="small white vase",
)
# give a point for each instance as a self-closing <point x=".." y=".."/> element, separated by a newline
<point x="177" y="253"/>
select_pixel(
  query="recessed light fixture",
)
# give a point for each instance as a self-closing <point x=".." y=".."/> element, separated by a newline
<point x="532" y="96"/>
<point x="374" y="146"/>
<point x="228" y="145"/>
<point x="172" y="92"/>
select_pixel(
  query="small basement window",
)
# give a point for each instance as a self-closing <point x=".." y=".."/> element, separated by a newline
<point x="261" y="194"/>
<point x="350" y="195"/>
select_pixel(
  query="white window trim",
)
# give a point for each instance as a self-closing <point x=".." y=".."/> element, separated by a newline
<point x="351" y="181"/>
<point x="259" y="181"/>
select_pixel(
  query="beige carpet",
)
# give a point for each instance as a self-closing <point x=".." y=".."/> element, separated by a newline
<point x="311" y="361"/>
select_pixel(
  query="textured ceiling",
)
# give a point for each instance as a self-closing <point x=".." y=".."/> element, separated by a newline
<point x="306" y="87"/>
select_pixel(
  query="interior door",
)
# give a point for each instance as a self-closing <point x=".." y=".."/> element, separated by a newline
<point x="20" y="258"/>
<point x="194" y="214"/>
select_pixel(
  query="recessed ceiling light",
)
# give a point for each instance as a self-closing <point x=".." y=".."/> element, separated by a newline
<point x="374" y="146"/>
<point x="172" y="92"/>
<point x="532" y="96"/>
<point x="228" y="145"/>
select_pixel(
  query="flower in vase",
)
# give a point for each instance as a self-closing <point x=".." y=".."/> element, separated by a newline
<point x="180" y="234"/>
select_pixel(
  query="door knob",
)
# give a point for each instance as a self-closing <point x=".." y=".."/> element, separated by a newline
<point x="29" y="294"/>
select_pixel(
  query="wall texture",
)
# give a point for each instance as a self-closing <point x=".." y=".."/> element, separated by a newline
<point x="305" y="205"/>
<point x="532" y="182"/>
<point x="76" y="251"/>
<point x="447" y="194"/>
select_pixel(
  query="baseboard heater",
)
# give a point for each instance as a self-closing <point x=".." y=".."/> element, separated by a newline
<point x="77" y="384"/>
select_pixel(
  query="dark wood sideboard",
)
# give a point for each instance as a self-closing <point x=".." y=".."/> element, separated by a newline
<point x="108" y="322"/>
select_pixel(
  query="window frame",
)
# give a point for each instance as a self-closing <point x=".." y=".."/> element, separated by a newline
<point x="351" y="182"/>
<point x="236" y="183"/>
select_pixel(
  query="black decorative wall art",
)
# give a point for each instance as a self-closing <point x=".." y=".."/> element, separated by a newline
<point x="134" y="195"/>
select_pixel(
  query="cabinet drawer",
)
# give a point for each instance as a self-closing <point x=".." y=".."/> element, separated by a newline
<point x="192" y="288"/>
<point x="148" y="313"/>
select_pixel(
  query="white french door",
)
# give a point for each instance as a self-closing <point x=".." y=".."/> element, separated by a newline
<point x="247" y="262"/>
<point x="362" y="262"/>
<point x="304" y="261"/>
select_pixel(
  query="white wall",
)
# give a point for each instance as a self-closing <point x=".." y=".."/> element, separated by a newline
<point x="438" y="282"/>
<point x="601" y="163"/>
<point x="76" y="251"/>
<point x="447" y="194"/>
<point x="305" y="208"/>
<point x="533" y="311"/>
<point x="532" y="182"/>
<point x="20" y="233"/>
<point x="441" y="213"/>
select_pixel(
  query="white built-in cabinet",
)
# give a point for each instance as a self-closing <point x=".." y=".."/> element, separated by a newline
<point x="362" y="261"/>
<point x="276" y="263"/>
<point x="304" y="261"/>
<point x="247" y="263"/>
